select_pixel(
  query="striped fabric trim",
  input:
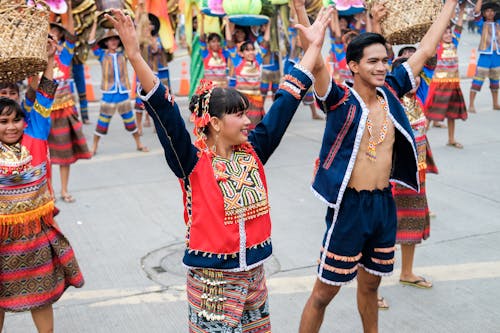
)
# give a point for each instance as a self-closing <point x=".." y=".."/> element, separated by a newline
<point x="337" y="270"/>
<point x="340" y="137"/>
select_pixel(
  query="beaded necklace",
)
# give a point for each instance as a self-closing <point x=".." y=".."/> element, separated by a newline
<point x="372" y="144"/>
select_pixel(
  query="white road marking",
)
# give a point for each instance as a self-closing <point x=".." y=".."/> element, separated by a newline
<point x="276" y="285"/>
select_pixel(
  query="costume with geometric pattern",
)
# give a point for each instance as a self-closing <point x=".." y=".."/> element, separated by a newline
<point x="37" y="263"/>
<point x="226" y="208"/>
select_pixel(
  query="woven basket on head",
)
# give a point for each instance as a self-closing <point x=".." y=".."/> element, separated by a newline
<point x="23" y="39"/>
<point x="407" y="21"/>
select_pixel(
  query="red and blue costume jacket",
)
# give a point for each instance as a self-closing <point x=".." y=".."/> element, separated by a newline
<point x="345" y="124"/>
<point x="25" y="190"/>
<point x="228" y="226"/>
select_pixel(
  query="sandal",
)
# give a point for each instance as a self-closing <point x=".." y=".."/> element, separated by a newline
<point x="143" y="149"/>
<point x="438" y="124"/>
<point x="382" y="303"/>
<point x="67" y="198"/>
<point x="421" y="283"/>
<point x="455" y="144"/>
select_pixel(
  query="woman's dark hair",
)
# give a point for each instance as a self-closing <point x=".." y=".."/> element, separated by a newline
<point x="356" y="47"/>
<point x="222" y="101"/>
<point x="244" y="45"/>
<point x="9" y="85"/>
<point x="213" y="35"/>
<point x="7" y="106"/>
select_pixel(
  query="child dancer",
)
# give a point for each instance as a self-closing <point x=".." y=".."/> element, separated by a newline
<point x="445" y="99"/>
<point x="247" y="69"/>
<point x="224" y="186"/>
<point x="37" y="262"/>
<point x="488" y="64"/>
<point x="67" y="143"/>
<point x="214" y="56"/>
<point x="115" y="87"/>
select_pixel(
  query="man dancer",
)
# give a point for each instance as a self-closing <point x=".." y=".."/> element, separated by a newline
<point x="368" y="141"/>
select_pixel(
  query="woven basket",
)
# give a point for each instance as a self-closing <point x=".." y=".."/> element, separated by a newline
<point x="23" y="39"/>
<point x="407" y="21"/>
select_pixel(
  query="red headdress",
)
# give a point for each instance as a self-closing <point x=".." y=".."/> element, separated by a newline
<point x="200" y="116"/>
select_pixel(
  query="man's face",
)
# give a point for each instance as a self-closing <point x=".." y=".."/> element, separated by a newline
<point x="372" y="67"/>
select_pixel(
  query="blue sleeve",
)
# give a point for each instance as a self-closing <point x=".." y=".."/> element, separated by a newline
<point x="180" y="153"/>
<point x="98" y="52"/>
<point x="333" y="97"/>
<point x="338" y="51"/>
<point x="401" y="79"/>
<point x="67" y="53"/>
<point x="479" y="24"/>
<point x="236" y="60"/>
<point x="267" y="135"/>
<point x="233" y="52"/>
<point x="457" y="33"/>
<point x="203" y="49"/>
<point x="38" y="110"/>
<point x="258" y="58"/>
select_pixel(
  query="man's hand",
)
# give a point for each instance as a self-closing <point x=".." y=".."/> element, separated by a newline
<point x="124" y="25"/>
<point x="314" y="34"/>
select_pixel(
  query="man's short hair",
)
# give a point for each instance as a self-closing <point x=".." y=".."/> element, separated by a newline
<point x="358" y="44"/>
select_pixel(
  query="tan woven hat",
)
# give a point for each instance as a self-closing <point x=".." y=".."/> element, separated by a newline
<point x="107" y="35"/>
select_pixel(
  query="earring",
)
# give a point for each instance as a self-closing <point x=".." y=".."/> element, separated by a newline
<point x="214" y="147"/>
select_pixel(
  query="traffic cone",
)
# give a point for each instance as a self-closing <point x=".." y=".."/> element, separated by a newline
<point x="184" y="85"/>
<point x="471" y="69"/>
<point x="88" y="85"/>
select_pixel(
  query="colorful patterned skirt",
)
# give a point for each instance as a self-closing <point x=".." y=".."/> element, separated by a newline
<point x="445" y="100"/>
<point x="67" y="143"/>
<point x="412" y="212"/>
<point x="36" y="269"/>
<point x="229" y="302"/>
<point x="255" y="110"/>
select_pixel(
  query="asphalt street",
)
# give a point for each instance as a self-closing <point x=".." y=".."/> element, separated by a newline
<point x="127" y="230"/>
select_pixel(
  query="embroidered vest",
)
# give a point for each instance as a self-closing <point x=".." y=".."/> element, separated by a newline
<point x="226" y="205"/>
<point x="114" y="73"/>
<point x="25" y="197"/>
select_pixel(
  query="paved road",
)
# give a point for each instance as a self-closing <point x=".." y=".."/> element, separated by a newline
<point x="127" y="229"/>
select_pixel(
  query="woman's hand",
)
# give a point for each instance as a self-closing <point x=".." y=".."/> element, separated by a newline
<point x="124" y="25"/>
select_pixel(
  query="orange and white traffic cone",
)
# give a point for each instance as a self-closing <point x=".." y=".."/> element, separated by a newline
<point x="184" y="85"/>
<point x="88" y="85"/>
<point x="471" y="69"/>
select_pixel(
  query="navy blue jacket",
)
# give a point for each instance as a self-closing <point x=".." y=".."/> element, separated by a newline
<point x="345" y="124"/>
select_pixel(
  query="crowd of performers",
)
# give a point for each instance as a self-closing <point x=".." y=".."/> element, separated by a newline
<point x="227" y="246"/>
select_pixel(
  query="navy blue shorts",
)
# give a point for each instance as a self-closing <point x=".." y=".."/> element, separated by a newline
<point x="363" y="234"/>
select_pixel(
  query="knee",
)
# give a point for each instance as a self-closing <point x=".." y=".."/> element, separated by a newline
<point x="368" y="286"/>
<point x="321" y="297"/>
